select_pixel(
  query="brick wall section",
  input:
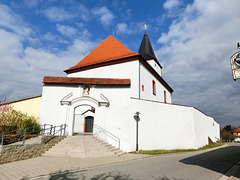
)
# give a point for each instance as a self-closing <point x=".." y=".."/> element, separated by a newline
<point x="10" y="153"/>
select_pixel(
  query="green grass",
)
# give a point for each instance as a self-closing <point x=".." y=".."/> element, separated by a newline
<point x="156" y="152"/>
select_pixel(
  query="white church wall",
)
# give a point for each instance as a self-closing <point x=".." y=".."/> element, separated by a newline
<point x="130" y="70"/>
<point x="205" y="126"/>
<point x="161" y="126"/>
<point x="114" y="118"/>
<point x="171" y="126"/>
<point x="147" y="79"/>
<point x="155" y="66"/>
<point x="127" y="70"/>
<point x="50" y="108"/>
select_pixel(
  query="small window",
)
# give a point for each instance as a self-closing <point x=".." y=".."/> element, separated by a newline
<point x="142" y="87"/>
<point x="154" y="87"/>
<point x="165" y="97"/>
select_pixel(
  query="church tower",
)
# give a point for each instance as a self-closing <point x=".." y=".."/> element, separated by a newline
<point x="148" y="54"/>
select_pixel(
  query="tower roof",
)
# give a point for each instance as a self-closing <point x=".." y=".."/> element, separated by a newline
<point x="110" y="49"/>
<point x="146" y="49"/>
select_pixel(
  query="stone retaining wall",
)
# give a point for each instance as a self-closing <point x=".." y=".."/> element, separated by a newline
<point x="10" y="153"/>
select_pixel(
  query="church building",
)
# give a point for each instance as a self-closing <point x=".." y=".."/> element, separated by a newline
<point x="120" y="97"/>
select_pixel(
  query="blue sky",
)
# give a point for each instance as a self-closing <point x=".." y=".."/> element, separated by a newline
<point x="193" y="41"/>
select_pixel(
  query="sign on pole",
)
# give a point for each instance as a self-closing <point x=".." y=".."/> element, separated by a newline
<point x="235" y="62"/>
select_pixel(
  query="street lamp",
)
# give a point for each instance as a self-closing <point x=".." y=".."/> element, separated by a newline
<point x="137" y="119"/>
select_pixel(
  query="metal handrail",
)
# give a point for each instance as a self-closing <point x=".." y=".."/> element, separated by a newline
<point x="112" y="136"/>
<point x="42" y="129"/>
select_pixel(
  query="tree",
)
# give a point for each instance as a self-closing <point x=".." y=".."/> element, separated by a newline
<point x="228" y="127"/>
<point x="227" y="134"/>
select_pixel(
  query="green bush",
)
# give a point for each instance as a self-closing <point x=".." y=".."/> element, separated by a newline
<point x="14" y="120"/>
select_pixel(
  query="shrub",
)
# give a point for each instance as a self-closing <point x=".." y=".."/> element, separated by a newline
<point x="11" y="119"/>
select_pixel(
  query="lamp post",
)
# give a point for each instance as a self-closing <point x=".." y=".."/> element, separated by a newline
<point x="137" y="119"/>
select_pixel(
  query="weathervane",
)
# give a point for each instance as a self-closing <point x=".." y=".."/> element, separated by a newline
<point x="145" y="27"/>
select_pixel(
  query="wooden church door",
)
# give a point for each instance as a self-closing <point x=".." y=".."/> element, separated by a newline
<point x="89" y="124"/>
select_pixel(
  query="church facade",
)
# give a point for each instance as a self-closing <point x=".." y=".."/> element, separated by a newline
<point x="103" y="93"/>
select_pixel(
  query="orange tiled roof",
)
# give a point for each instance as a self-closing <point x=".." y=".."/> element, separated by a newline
<point x="237" y="130"/>
<point x="109" y="49"/>
<point x="92" y="81"/>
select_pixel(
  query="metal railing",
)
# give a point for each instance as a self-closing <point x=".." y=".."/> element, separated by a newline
<point x="108" y="134"/>
<point x="27" y="133"/>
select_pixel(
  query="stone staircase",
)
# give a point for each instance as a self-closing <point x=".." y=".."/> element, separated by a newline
<point x="82" y="146"/>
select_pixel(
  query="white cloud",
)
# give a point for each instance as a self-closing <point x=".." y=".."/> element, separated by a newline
<point x="195" y="57"/>
<point x="32" y="4"/>
<point x="58" y="14"/>
<point x="22" y="69"/>
<point x="171" y="4"/>
<point x="11" y="44"/>
<point x="126" y="29"/>
<point x="66" y="30"/>
<point x="24" y="66"/>
<point x="12" y="69"/>
<point x="64" y="11"/>
<point x="13" y="22"/>
<point x="83" y="12"/>
<point x="106" y="16"/>
<point x="122" y="28"/>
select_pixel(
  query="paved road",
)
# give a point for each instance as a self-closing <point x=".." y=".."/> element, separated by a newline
<point x="204" y="165"/>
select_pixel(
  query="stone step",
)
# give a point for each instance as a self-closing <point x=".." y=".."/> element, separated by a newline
<point x="83" y="146"/>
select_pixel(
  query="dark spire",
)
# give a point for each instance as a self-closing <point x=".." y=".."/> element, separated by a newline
<point x="146" y="49"/>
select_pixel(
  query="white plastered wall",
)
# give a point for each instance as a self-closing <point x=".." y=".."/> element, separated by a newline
<point x="51" y="110"/>
<point x="146" y="79"/>
<point x="205" y="126"/>
<point x="155" y="66"/>
<point x="172" y="126"/>
<point x="115" y="118"/>
<point x="127" y="70"/>
<point x="130" y="70"/>
<point x="110" y="117"/>
<point x="162" y="126"/>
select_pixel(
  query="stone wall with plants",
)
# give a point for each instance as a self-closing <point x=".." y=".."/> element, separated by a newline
<point x="16" y="152"/>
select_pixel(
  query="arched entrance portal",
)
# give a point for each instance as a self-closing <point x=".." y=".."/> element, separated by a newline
<point x="89" y="124"/>
<point x="83" y="119"/>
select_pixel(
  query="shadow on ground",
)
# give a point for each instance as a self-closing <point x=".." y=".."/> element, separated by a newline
<point x="79" y="175"/>
<point x="219" y="160"/>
